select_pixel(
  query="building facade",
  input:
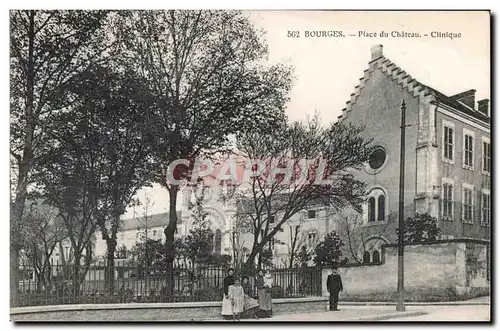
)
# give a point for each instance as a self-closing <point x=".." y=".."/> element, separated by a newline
<point x="447" y="154"/>
<point x="447" y="173"/>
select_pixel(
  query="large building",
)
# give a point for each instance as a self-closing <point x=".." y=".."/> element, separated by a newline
<point x="447" y="157"/>
<point x="447" y="172"/>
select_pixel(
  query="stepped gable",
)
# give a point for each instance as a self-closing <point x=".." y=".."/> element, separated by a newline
<point x="405" y="80"/>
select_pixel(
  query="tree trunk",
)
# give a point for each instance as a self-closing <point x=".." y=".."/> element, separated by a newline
<point x="14" y="276"/>
<point x="76" y="274"/>
<point x="16" y="240"/>
<point x="170" y="238"/>
<point x="23" y="167"/>
<point x="110" y="266"/>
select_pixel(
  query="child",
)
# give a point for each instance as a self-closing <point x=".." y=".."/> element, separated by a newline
<point x="251" y="305"/>
<point x="237" y="297"/>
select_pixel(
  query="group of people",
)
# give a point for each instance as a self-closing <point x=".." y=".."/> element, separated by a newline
<point x="238" y="300"/>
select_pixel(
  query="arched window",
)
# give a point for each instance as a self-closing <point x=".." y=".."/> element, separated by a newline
<point x="381" y="208"/>
<point x="376" y="208"/>
<point x="366" y="257"/>
<point x="376" y="256"/>
<point x="218" y="241"/>
<point x="371" y="209"/>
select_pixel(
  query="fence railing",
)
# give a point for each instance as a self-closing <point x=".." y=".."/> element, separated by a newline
<point x="126" y="282"/>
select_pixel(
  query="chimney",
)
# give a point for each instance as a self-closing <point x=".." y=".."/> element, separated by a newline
<point x="467" y="98"/>
<point x="483" y="106"/>
<point x="377" y="51"/>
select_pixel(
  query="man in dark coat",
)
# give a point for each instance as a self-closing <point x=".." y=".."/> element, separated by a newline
<point x="334" y="286"/>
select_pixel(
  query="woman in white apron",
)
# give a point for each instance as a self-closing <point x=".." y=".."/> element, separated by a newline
<point x="227" y="310"/>
<point x="264" y="285"/>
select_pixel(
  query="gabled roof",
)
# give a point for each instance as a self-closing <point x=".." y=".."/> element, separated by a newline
<point x="413" y="86"/>
<point x="442" y="98"/>
<point x="153" y="221"/>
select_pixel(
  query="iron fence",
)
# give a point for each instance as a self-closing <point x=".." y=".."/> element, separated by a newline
<point x="125" y="282"/>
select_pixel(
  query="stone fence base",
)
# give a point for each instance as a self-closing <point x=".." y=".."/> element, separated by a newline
<point x="181" y="311"/>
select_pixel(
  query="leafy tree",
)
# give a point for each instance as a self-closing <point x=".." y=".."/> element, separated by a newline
<point x="198" y="243"/>
<point x="110" y="113"/>
<point x="45" y="231"/>
<point x="303" y="257"/>
<point x="207" y="76"/>
<point x="221" y="261"/>
<point x="122" y="252"/>
<point x="420" y="229"/>
<point x="150" y="256"/>
<point x="144" y="223"/>
<point x="271" y="199"/>
<point x="328" y="251"/>
<point x="48" y="52"/>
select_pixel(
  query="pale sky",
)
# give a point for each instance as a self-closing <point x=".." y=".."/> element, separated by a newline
<point x="328" y="69"/>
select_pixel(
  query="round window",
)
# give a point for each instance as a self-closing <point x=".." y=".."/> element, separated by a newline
<point x="377" y="158"/>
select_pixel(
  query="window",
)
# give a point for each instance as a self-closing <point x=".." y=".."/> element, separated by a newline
<point x="467" y="205"/>
<point x="486" y="157"/>
<point x="468" y="150"/>
<point x="447" y="201"/>
<point x="311" y="238"/>
<point x="51" y="261"/>
<point x="271" y="219"/>
<point x="218" y="241"/>
<point x="485" y="208"/>
<point x="66" y="253"/>
<point x="371" y="209"/>
<point x="137" y="235"/>
<point x="377" y="158"/>
<point x="448" y="142"/>
<point x="376" y="207"/>
<point x="366" y="257"/>
<point x="311" y="214"/>
<point x="154" y="233"/>
<point x="271" y="244"/>
<point x="376" y="256"/>
<point x="381" y="208"/>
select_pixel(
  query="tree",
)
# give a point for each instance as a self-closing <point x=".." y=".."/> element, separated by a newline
<point x="110" y="112"/>
<point x="48" y="52"/>
<point x="353" y="232"/>
<point x="328" y="251"/>
<point x="45" y="231"/>
<point x="310" y="153"/>
<point x="240" y="227"/>
<point x="152" y="263"/>
<point x="303" y="257"/>
<point x="298" y="241"/>
<point x="208" y="81"/>
<point x="266" y="258"/>
<point x="68" y="178"/>
<point x="122" y="252"/>
<point x="420" y="229"/>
